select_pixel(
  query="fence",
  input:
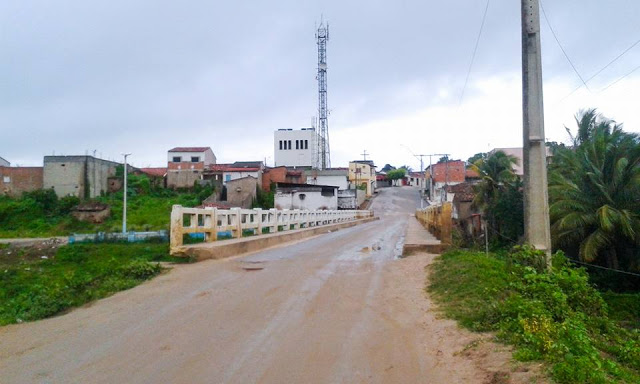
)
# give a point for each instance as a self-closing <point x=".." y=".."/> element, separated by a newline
<point x="212" y="221"/>
<point x="437" y="220"/>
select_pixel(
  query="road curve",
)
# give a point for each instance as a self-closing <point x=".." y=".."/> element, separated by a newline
<point x="336" y="308"/>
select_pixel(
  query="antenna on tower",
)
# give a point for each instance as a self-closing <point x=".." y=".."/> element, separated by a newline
<point x="323" y="151"/>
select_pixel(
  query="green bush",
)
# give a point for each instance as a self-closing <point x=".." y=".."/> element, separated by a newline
<point x="554" y="314"/>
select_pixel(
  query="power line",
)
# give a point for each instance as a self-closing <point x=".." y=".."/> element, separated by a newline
<point x="602" y="69"/>
<point x="561" y="48"/>
<point x="615" y="82"/>
<point x="605" y="268"/>
<point x="475" y="50"/>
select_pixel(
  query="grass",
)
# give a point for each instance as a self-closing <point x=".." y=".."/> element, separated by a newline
<point x="41" y="215"/>
<point x="33" y="288"/>
<point x="556" y="317"/>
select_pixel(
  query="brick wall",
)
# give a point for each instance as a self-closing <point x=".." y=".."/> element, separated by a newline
<point x="452" y="172"/>
<point x="16" y="180"/>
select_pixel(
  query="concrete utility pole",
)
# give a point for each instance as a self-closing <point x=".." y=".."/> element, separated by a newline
<point x="536" y="200"/>
<point x="124" y="206"/>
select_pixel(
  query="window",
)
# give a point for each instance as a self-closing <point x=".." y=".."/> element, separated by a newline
<point x="289" y="144"/>
<point x="195" y="159"/>
<point x="227" y="177"/>
<point x="281" y="145"/>
<point x="176" y="159"/>
<point x="297" y="144"/>
<point x="6" y="179"/>
<point x="306" y="144"/>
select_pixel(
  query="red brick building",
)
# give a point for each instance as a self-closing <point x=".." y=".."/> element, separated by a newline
<point x="16" y="180"/>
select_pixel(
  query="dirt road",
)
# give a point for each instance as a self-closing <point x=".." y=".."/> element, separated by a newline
<point x="337" y="308"/>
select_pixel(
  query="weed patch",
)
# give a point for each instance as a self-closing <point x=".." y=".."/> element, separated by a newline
<point x="555" y="316"/>
<point x="77" y="274"/>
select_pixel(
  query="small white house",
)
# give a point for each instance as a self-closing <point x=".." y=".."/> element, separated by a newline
<point x="305" y="196"/>
<point x="191" y="155"/>
<point x="331" y="176"/>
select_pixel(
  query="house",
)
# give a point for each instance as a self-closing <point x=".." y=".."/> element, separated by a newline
<point x="185" y="165"/>
<point x="14" y="181"/>
<point x="271" y="176"/>
<point x="362" y="173"/>
<point x="295" y="148"/>
<point x="306" y="196"/>
<point x="463" y="213"/>
<point x="241" y="192"/>
<point x="338" y="177"/>
<point x="416" y="179"/>
<point x="446" y="173"/>
<point x="382" y="180"/>
<point x="81" y="176"/>
<point x="237" y="170"/>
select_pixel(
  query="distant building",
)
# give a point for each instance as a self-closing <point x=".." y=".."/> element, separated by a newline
<point x="81" y="176"/>
<point x="185" y="165"/>
<point x="4" y="163"/>
<point x="338" y="177"/>
<point x="446" y="173"/>
<point x="362" y="173"/>
<point x="295" y="148"/>
<point x="416" y="179"/>
<point x="282" y="175"/>
<point x="305" y="196"/>
<point x="16" y="180"/>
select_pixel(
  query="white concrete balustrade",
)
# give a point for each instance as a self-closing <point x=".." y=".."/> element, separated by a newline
<point x="211" y="221"/>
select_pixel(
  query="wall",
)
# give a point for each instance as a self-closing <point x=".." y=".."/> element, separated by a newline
<point x="20" y="179"/>
<point x="312" y="200"/>
<point x="241" y="192"/>
<point x="81" y="176"/>
<point x="367" y="176"/>
<point x="227" y="176"/>
<point x="338" y="181"/>
<point x="294" y="157"/>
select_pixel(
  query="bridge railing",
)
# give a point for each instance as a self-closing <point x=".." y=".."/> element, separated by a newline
<point x="437" y="220"/>
<point x="236" y="221"/>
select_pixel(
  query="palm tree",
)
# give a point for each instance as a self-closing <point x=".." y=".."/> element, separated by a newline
<point x="594" y="189"/>
<point x="497" y="182"/>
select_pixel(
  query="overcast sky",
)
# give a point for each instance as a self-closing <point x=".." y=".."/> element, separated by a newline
<point x="144" y="76"/>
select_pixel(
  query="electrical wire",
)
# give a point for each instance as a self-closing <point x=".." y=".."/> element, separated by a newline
<point x="602" y="69"/>
<point x="615" y="82"/>
<point x="605" y="268"/>
<point x="562" y="49"/>
<point x="475" y="50"/>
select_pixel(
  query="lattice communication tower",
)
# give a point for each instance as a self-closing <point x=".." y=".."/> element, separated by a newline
<point x="323" y="152"/>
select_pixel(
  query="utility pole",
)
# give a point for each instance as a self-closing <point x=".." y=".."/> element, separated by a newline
<point x="124" y="206"/>
<point x="365" y="155"/>
<point x="536" y="200"/>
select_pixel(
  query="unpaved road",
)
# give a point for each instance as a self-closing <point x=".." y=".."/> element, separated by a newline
<point x="337" y="308"/>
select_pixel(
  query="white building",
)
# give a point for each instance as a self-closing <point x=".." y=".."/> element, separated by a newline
<point x="4" y="163"/>
<point x="294" y="148"/>
<point x="338" y="177"/>
<point x="305" y="196"/>
<point x="191" y="155"/>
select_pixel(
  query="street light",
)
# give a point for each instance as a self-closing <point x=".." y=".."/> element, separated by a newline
<point x="124" y="207"/>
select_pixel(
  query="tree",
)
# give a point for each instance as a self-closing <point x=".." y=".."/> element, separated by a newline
<point x="499" y="196"/>
<point x="443" y="159"/>
<point x="594" y="191"/>
<point x="396" y="174"/>
<point x="387" y="168"/>
<point x="476" y="157"/>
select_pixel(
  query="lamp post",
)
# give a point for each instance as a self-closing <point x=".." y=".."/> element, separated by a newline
<point x="124" y="206"/>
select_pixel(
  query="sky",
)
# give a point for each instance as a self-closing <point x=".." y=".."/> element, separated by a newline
<point x="142" y="76"/>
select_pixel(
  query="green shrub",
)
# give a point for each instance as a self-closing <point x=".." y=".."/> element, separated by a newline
<point x="554" y="314"/>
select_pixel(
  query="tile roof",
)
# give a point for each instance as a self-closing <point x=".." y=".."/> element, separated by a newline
<point x="463" y="192"/>
<point x="189" y="149"/>
<point x="159" y="172"/>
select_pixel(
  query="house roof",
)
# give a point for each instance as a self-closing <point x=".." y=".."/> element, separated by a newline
<point x="463" y="192"/>
<point x="158" y="172"/>
<point x="190" y="149"/>
<point x="247" y="164"/>
<point x="231" y="168"/>
<point x="3" y="160"/>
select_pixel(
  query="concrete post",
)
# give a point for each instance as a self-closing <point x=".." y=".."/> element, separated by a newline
<point x="536" y="199"/>
<point x="175" y="236"/>
<point x="238" y="223"/>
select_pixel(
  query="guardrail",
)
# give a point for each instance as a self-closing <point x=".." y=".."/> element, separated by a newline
<point x="437" y="220"/>
<point x="211" y="221"/>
